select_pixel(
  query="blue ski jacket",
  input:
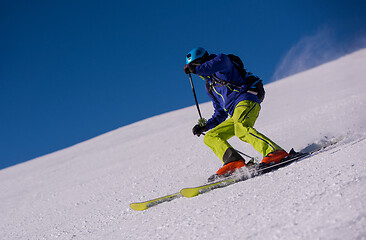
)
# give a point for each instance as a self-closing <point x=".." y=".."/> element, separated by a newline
<point x="224" y="97"/>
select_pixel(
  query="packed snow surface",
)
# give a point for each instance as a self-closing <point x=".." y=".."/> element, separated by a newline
<point x="84" y="192"/>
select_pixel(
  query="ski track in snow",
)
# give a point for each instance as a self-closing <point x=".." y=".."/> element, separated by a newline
<point x="83" y="192"/>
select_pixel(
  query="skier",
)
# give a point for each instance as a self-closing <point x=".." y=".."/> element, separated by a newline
<point x="229" y="94"/>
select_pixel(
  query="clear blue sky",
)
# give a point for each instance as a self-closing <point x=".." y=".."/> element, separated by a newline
<point x="72" y="70"/>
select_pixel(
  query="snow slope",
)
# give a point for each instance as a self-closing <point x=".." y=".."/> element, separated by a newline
<point x="84" y="192"/>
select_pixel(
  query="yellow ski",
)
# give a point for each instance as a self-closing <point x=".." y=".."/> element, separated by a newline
<point x="252" y="172"/>
<point x="145" y="205"/>
<point x="194" y="191"/>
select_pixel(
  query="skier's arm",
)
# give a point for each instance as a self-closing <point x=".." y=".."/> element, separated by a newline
<point x="221" y="63"/>
<point x="218" y="117"/>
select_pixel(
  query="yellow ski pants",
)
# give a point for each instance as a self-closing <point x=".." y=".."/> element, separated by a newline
<point x="240" y="125"/>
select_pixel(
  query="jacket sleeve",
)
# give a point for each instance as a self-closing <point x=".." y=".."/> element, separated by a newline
<point x="219" y="115"/>
<point x="220" y="63"/>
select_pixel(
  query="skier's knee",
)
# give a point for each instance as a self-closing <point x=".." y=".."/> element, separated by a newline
<point x="208" y="138"/>
<point x="242" y="131"/>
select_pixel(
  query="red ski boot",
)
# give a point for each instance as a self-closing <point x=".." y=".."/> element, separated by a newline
<point x="275" y="156"/>
<point x="227" y="170"/>
<point x="231" y="167"/>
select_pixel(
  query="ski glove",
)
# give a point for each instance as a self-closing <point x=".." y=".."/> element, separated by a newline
<point x="189" y="68"/>
<point x="198" y="130"/>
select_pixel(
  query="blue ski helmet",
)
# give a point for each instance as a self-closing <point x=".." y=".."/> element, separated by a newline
<point x="194" y="54"/>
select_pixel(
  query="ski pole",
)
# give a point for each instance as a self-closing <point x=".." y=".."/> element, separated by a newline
<point x="195" y="97"/>
<point x="245" y="155"/>
<point x="241" y="153"/>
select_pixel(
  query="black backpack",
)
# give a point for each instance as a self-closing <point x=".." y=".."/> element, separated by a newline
<point x="255" y="83"/>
